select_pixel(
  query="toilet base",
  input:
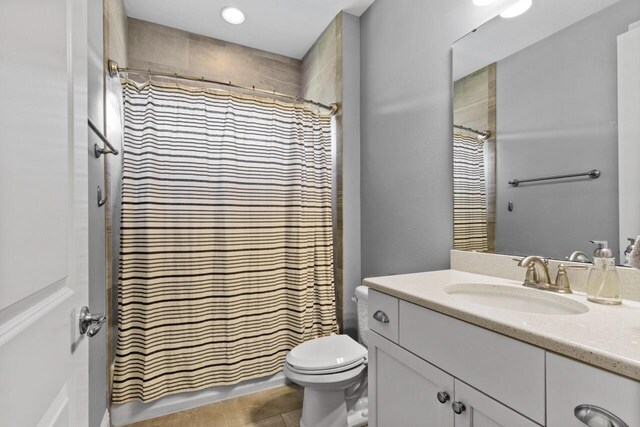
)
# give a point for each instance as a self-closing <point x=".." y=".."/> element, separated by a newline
<point x="323" y="408"/>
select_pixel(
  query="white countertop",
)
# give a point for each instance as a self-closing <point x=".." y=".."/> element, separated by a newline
<point x="606" y="336"/>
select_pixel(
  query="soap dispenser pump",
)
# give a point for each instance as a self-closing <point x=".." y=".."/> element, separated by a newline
<point x="603" y="285"/>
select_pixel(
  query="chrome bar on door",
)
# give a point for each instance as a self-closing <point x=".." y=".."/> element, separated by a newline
<point x="96" y="148"/>
<point x="593" y="174"/>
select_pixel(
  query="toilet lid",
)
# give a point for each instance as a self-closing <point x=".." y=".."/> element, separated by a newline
<point x="326" y="353"/>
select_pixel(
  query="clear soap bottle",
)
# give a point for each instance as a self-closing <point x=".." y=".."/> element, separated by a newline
<point x="603" y="285"/>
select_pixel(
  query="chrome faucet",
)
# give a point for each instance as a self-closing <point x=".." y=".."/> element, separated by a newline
<point x="578" y="256"/>
<point x="537" y="272"/>
<point x="537" y="275"/>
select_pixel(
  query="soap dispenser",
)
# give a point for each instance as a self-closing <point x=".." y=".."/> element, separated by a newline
<point x="603" y="285"/>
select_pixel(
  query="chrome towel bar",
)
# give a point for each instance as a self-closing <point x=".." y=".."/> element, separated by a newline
<point x="96" y="148"/>
<point x="593" y="174"/>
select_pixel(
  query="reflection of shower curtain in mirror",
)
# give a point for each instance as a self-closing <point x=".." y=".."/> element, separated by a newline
<point x="469" y="194"/>
<point x="226" y="252"/>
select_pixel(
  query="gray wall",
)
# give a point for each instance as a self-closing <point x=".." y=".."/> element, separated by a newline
<point x="557" y="113"/>
<point x="406" y="151"/>
<point x="352" y="275"/>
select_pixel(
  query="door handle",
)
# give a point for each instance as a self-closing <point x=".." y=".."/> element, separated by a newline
<point x="592" y="415"/>
<point x="90" y="324"/>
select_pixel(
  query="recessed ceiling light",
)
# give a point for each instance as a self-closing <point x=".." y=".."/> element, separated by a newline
<point x="517" y="9"/>
<point x="483" y="2"/>
<point x="232" y="15"/>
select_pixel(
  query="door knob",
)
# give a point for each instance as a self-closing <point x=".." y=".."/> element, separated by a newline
<point x="458" y="407"/>
<point x="90" y="324"/>
<point x="443" y="397"/>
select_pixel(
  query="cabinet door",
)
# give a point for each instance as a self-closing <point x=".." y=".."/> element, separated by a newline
<point x="571" y="384"/>
<point x="403" y="389"/>
<point x="479" y="410"/>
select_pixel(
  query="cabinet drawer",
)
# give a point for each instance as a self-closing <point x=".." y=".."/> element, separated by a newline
<point x="571" y="383"/>
<point x="383" y="315"/>
<point x="508" y="370"/>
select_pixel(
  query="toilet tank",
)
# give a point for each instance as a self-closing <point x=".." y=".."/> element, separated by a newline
<point x="362" y="301"/>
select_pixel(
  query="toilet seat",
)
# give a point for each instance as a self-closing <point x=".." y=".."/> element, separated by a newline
<point x="327" y="371"/>
<point x="326" y="355"/>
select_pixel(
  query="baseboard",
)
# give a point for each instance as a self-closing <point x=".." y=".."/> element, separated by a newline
<point x="138" y="411"/>
<point x="106" y="422"/>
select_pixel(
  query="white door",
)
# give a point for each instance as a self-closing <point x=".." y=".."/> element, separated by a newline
<point x="475" y="409"/>
<point x="404" y="390"/>
<point x="43" y="212"/>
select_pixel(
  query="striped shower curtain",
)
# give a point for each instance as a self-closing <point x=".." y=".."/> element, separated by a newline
<point x="226" y="253"/>
<point x="469" y="194"/>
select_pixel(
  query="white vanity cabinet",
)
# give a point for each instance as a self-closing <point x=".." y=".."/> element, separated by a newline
<point x="419" y="357"/>
<point x="409" y="391"/>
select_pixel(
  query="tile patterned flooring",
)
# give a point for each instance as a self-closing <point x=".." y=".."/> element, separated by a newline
<point x="275" y="407"/>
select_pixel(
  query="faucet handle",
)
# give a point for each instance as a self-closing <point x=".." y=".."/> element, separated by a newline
<point x="562" y="280"/>
<point x="531" y="277"/>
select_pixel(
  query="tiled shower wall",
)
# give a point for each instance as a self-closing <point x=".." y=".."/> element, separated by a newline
<point x="160" y="48"/>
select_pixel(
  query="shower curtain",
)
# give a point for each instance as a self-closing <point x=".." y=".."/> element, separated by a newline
<point x="226" y="238"/>
<point x="469" y="194"/>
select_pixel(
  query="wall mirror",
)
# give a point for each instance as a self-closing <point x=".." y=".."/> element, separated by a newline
<point x="546" y="130"/>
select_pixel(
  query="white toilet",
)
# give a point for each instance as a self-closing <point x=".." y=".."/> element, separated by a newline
<point x="333" y="372"/>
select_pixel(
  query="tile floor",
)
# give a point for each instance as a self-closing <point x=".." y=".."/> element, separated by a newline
<point x="276" y="407"/>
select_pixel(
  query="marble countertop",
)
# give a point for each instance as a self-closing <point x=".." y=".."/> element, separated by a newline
<point x="605" y="336"/>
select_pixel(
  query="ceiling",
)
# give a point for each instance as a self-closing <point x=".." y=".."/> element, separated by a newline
<point x="286" y="27"/>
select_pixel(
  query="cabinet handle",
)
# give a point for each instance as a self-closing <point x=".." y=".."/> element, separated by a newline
<point x="592" y="415"/>
<point x="381" y="316"/>
<point x="458" y="407"/>
<point x="443" y="397"/>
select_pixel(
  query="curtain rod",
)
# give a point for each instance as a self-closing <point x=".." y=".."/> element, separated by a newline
<point x="481" y="134"/>
<point x="115" y="70"/>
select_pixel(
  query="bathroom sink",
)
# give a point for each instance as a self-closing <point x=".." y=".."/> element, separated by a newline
<point x="515" y="299"/>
